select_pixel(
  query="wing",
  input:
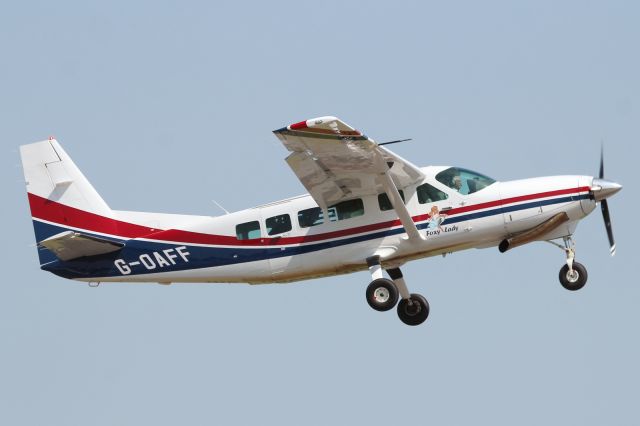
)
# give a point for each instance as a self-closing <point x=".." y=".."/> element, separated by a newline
<point x="334" y="161"/>
<point x="71" y="245"/>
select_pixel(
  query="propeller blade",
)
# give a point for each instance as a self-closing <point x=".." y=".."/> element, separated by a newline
<point x="601" y="176"/>
<point x="607" y="224"/>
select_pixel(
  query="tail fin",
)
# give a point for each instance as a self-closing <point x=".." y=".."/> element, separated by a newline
<point x="60" y="197"/>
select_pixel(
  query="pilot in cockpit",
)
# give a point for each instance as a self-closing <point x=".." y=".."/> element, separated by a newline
<point x="457" y="182"/>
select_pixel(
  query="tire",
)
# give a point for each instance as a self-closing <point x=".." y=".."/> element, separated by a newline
<point x="382" y="294"/>
<point x="575" y="282"/>
<point x="415" y="313"/>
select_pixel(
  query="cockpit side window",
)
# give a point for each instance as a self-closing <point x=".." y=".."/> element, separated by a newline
<point x="463" y="180"/>
<point x="429" y="194"/>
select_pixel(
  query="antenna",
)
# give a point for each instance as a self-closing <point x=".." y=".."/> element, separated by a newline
<point x="221" y="208"/>
<point x="398" y="141"/>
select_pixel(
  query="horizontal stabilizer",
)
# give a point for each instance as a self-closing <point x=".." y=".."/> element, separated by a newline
<point x="71" y="245"/>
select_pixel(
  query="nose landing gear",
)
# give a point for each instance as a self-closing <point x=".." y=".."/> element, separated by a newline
<point x="382" y="294"/>
<point x="573" y="276"/>
<point x="573" y="279"/>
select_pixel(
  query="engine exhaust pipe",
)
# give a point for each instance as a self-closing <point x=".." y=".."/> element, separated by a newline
<point x="534" y="233"/>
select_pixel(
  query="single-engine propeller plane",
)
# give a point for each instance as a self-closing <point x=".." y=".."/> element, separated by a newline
<point x="366" y="208"/>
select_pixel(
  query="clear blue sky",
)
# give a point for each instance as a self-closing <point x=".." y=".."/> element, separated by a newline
<point x="168" y="105"/>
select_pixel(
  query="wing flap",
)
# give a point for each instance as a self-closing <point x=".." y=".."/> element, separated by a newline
<point x="71" y="245"/>
<point x="317" y="180"/>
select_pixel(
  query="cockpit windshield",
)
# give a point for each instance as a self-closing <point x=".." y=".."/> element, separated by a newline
<point x="463" y="180"/>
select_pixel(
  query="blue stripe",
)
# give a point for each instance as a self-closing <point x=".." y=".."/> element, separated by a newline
<point x="207" y="257"/>
<point x="514" y="208"/>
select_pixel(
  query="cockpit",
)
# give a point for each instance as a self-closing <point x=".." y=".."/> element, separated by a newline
<point x="464" y="181"/>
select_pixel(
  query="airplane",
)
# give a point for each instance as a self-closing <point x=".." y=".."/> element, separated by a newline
<point x="366" y="209"/>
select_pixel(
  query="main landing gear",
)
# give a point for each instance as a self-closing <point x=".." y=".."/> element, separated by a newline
<point x="573" y="276"/>
<point x="382" y="294"/>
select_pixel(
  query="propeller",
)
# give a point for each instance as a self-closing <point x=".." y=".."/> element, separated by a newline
<point x="602" y="189"/>
<point x="607" y="224"/>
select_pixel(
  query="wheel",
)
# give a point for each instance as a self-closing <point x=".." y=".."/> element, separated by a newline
<point x="413" y="311"/>
<point x="382" y="294"/>
<point x="573" y="280"/>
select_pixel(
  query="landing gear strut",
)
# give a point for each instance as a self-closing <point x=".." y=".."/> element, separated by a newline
<point x="382" y="294"/>
<point x="573" y="276"/>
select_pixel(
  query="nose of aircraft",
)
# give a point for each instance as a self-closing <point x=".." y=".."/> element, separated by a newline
<point x="602" y="189"/>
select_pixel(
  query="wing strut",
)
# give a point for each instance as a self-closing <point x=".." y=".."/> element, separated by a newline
<point x="398" y="205"/>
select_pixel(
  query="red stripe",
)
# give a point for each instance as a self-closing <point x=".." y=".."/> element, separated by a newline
<point x="518" y="199"/>
<point x="224" y="240"/>
<point x="303" y="126"/>
<point x="298" y="126"/>
<point x="52" y="211"/>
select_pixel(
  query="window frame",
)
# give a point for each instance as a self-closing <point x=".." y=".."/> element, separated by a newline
<point x="383" y="195"/>
<point x="337" y="213"/>
<point x="446" y="176"/>
<point x="248" y="233"/>
<point x="288" y="222"/>
<point x="446" y="194"/>
<point x="320" y="217"/>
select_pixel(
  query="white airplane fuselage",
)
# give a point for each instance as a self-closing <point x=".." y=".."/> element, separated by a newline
<point x="177" y="248"/>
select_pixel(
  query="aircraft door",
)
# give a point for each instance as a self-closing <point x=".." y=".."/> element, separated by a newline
<point x="277" y="227"/>
<point x="441" y="226"/>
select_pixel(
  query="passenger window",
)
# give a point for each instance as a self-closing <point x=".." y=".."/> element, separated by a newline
<point x="385" y="203"/>
<point x="346" y="210"/>
<point x="248" y="231"/>
<point x="278" y="224"/>
<point x="429" y="194"/>
<point x="310" y="217"/>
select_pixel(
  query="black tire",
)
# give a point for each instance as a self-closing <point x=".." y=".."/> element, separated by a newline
<point x="382" y="294"/>
<point x="414" y="313"/>
<point x="575" y="282"/>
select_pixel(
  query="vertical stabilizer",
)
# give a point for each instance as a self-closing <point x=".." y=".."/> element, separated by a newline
<point x="60" y="196"/>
